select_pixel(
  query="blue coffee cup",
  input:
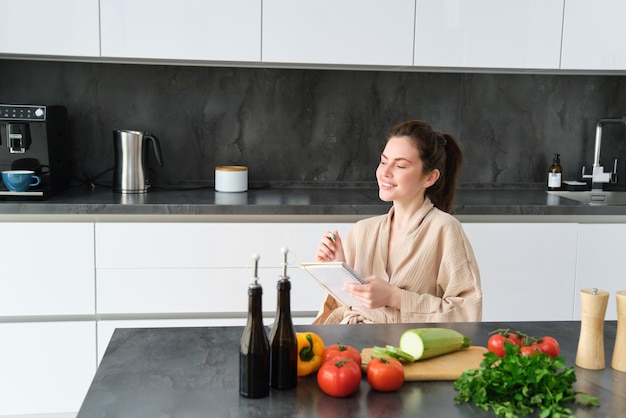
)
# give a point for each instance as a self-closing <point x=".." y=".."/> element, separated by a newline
<point x="20" y="180"/>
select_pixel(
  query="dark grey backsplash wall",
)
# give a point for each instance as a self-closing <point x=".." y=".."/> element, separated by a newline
<point x="322" y="126"/>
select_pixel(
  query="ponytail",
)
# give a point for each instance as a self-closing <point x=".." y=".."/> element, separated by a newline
<point x="442" y="192"/>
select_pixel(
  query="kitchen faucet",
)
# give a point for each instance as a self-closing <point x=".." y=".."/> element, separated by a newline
<point x="598" y="176"/>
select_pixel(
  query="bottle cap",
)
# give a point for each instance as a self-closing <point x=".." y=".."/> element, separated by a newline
<point x="557" y="159"/>
<point x="285" y="252"/>
<point x="255" y="278"/>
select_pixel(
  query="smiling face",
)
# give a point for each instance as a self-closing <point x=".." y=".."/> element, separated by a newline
<point x="400" y="172"/>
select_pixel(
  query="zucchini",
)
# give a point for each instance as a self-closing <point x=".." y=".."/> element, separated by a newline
<point x="398" y="353"/>
<point x="392" y="352"/>
<point x="423" y="343"/>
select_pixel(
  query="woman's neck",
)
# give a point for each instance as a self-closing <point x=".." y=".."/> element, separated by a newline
<point x="402" y="214"/>
<point x="404" y="211"/>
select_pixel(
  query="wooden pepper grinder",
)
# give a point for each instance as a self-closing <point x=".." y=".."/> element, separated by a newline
<point x="619" y="352"/>
<point x="590" y="353"/>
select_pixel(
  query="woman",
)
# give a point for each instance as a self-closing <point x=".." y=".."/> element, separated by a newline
<point x="419" y="264"/>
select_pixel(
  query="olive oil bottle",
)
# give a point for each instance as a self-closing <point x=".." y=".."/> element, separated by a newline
<point x="283" y="342"/>
<point x="254" y="352"/>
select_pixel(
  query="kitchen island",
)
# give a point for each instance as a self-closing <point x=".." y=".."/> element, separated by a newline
<point x="193" y="372"/>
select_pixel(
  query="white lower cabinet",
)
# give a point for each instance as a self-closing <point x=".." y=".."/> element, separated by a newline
<point x="48" y="270"/>
<point x="601" y="263"/>
<point x="47" y="324"/>
<point x="45" y="367"/>
<point x="527" y="269"/>
<point x="166" y="268"/>
<point x="223" y="292"/>
<point x="206" y="245"/>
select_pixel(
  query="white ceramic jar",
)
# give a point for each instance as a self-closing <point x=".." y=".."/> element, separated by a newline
<point x="231" y="178"/>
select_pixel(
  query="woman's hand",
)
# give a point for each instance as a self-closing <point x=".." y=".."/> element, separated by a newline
<point x="330" y="248"/>
<point x="377" y="293"/>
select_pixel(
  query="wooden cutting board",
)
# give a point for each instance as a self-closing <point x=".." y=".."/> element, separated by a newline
<point x="445" y="367"/>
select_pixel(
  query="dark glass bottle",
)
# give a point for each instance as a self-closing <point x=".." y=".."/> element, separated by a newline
<point x="254" y="353"/>
<point x="555" y="173"/>
<point x="283" y="342"/>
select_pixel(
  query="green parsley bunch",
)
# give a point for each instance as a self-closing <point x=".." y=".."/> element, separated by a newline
<point x="518" y="385"/>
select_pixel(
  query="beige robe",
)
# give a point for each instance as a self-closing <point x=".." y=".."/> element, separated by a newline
<point x="432" y="262"/>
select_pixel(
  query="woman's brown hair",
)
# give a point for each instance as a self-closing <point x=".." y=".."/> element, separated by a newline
<point x="437" y="150"/>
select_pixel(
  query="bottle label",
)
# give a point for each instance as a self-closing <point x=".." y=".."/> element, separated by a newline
<point x="554" y="179"/>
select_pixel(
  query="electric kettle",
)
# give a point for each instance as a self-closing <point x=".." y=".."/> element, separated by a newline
<point x="130" y="174"/>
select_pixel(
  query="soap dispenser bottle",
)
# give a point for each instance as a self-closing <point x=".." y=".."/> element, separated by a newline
<point x="254" y="352"/>
<point x="283" y="342"/>
<point x="555" y="173"/>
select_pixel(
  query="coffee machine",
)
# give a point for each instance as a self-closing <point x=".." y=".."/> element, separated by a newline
<point x="35" y="137"/>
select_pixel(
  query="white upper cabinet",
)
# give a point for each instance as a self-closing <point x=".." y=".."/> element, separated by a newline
<point x="44" y="27"/>
<point x="217" y="30"/>
<point x="351" y="32"/>
<point x="463" y="34"/>
<point x="488" y="33"/>
<point x="593" y="35"/>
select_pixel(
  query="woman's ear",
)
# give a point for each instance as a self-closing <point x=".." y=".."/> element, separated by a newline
<point x="432" y="178"/>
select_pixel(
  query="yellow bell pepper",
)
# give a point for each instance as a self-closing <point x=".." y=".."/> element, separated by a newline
<point x="310" y="350"/>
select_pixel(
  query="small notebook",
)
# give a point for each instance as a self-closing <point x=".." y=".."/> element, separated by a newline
<point x="332" y="276"/>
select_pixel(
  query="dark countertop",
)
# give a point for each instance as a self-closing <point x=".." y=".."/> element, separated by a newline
<point x="193" y="372"/>
<point x="356" y="202"/>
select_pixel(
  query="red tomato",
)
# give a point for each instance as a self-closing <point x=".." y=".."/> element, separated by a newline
<point x="496" y="343"/>
<point x="530" y="350"/>
<point x="385" y="374"/>
<point x="338" y="351"/>
<point x="550" y="346"/>
<point x="339" y="379"/>
<point x="514" y="338"/>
